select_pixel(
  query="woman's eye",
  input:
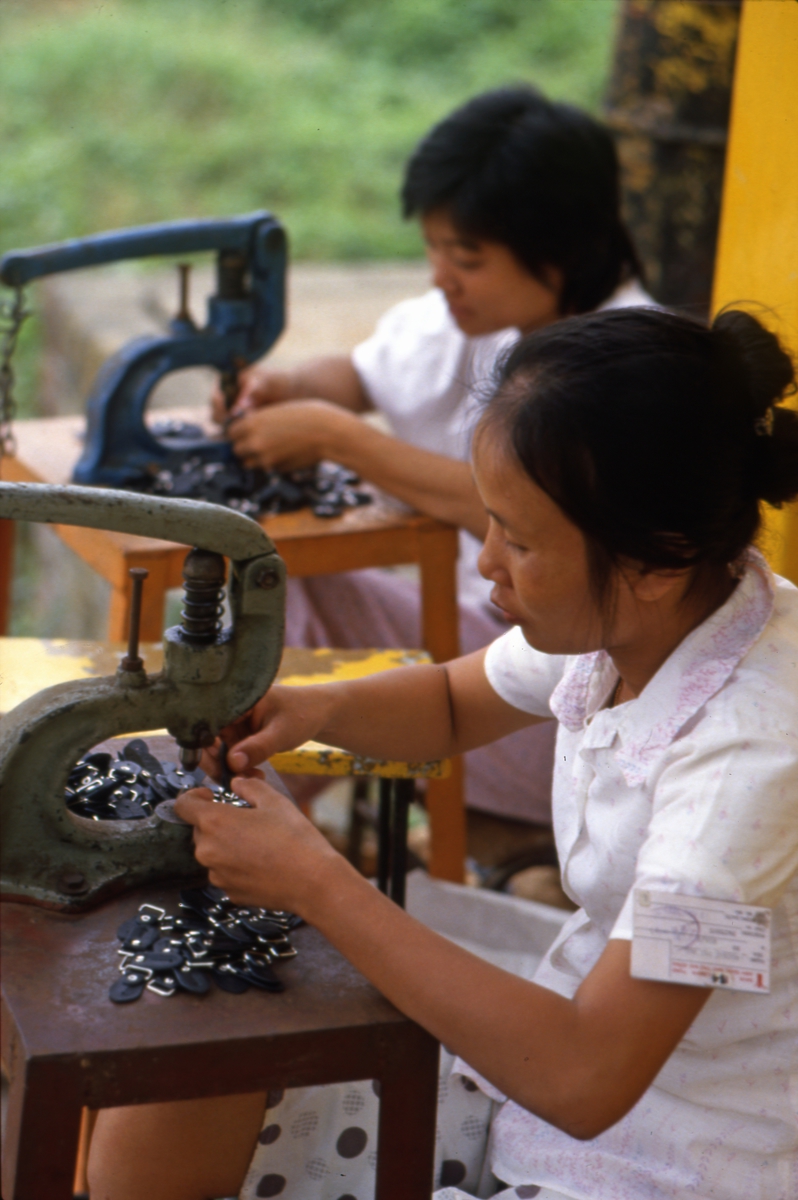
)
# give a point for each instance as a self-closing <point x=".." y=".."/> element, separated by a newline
<point x="468" y="264"/>
<point x="516" y="547"/>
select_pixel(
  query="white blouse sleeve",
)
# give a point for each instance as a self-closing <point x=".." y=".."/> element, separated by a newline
<point x="723" y="821"/>
<point x="522" y="676"/>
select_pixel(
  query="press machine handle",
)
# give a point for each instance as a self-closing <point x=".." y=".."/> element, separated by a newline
<point x="257" y="235"/>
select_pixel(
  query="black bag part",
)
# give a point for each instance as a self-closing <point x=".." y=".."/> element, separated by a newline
<point x="160" y="787"/>
<point x="128" y="987"/>
<point x="229" y="981"/>
<point x="165" y="787"/>
<point x="163" y="984"/>
<point x="163" y="960"/>
<point x="195" y="900"/>
<point x="259" y="968"/>
<point x="142" y="938"/>
<point x="99" y="759"/>
<point x="223" y="947"/>
<point x="234" y="928"/>
<point x="193" y="981"/>
<point x="137" y="751"/>
<point x="215" y="894"/>
<point x="263" y="927"/>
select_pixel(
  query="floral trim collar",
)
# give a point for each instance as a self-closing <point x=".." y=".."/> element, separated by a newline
<point x="695" y="671"/>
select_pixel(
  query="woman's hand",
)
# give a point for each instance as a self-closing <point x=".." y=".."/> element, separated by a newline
<point x="281" y="720"/>
<point x="288" y="436"/>
<point x="257" y="387"/>
<point x="269" y="855"/>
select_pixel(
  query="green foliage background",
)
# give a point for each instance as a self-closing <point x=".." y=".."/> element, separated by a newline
<point x="123" y="112"/>
<point x="132" y="111"/>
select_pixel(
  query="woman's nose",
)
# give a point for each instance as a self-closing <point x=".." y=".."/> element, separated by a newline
<point x="442" y="276"/>
<point x="488" y="563"/>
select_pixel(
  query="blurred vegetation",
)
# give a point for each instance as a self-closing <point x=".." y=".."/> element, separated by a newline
<point x="131" y="111"/>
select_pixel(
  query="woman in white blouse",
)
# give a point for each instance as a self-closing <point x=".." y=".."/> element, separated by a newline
<point x="519" y="205"/>
<point x="622" y="462"/>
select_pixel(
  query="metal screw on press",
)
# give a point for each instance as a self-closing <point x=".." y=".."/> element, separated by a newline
<point x="204" y="574"/>
<point x="133" y="662"/>
<point x="183" y="317"/>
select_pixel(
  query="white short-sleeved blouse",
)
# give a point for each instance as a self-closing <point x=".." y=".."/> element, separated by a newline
<point x="690" y="788"/>
<point x="422" y="371"/>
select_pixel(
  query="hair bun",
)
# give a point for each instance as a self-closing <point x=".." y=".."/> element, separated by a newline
<point x="767" y="368"/>
<point x="768" y="375"/>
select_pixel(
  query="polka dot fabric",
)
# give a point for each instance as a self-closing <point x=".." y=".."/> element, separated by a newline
<point x="321" y="1144"/>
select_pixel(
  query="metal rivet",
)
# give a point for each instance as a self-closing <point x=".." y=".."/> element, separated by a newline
<point x="268" y="578"/>
<point x="73" y="882"/>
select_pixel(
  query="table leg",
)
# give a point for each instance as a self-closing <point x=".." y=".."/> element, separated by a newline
<point x="408" y="1106"/>
<point x="437" y="558"/>
<point x="6" y="572"/>
<point x="446" y="810"/>
<point x="42" y="1131"/>
<point x="403" y="792"/>
<point x="384" y="827"/>
<point x="440" y="635"/>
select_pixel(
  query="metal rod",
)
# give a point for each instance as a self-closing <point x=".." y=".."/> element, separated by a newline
<point x="384" y="835"/>
<point x="183" y="313"/>
<point x="403" y="792"/>
<point x="226" y="776"/>
<point x="132" y="660"/>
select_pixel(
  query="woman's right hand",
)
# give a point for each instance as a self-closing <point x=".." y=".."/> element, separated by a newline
<point x="281" y="720"/>
<point x="258" y="387"/>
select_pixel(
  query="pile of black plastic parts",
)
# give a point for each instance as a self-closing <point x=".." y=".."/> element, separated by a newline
<point x="128" y="788"/>
<point x="327" y="488"/>
<point x="209" y="941"/>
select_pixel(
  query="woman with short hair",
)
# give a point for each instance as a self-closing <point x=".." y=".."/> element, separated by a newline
<point x="518" y="201"/>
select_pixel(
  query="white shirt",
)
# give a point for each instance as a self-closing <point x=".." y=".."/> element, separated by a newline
<point x="691" y="788"/>
<point x="422" y="371"/>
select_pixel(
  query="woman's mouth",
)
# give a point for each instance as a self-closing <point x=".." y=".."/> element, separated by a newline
<point x="505" y="612"/>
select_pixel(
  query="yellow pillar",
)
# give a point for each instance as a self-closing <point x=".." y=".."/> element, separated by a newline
<point x="757" y="256"/>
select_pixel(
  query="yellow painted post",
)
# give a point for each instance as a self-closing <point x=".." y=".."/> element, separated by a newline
<point x="757" y="256"/>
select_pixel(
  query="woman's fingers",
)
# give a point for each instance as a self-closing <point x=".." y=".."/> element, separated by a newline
<point x="260" y="855"/>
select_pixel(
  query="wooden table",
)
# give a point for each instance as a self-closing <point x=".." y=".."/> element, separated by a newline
<point x="67" y="1047"/>
<point x="384" y="533"/>
<point x="55" y="964"/>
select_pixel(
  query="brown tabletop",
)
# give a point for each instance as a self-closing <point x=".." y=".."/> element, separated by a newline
<point x="65" y="1045"/>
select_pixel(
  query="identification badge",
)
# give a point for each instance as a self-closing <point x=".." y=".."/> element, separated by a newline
<point x="707" y="943"/>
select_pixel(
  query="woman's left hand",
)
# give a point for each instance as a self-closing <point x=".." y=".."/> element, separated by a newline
<point x="268" y="856"/>
<point x="286" y="437"/>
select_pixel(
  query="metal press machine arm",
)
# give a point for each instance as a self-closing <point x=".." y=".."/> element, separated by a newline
<point x="245" y="317"/>
<point x="210" y="678"/>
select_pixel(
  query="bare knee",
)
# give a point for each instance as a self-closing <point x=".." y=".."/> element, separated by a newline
<point x="186" y="1150"/>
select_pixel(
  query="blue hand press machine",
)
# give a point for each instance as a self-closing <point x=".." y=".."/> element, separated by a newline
<point x="245" y="318"/>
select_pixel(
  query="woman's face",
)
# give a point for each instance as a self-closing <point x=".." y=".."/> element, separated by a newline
<point x="485" y="285"/>
<point x="535" y="556"/>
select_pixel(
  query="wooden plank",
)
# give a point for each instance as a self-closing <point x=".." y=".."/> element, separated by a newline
<point x="757" y="257"/>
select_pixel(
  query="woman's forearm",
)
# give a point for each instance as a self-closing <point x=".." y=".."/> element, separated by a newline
<point x="410" y="714"/>
<point x="332" y="378"/>
<point x="579" y="1064"/>
<point x="432" y="483"/>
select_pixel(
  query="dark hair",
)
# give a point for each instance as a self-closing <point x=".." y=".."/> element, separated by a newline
<point x="540" y="177"/>
<point x="657" y="436"/>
